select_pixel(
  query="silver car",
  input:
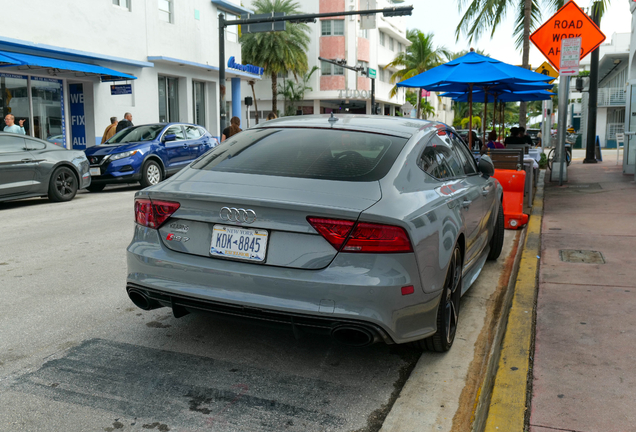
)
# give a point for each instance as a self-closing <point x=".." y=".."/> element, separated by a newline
<point x="30" y="167"/>
<point x="366" y="228"/>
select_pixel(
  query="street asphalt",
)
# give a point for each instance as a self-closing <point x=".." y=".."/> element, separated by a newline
<point x="77" y="355"/>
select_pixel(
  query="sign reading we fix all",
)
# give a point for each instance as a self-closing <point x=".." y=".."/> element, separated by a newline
<point x="569" y="22"/>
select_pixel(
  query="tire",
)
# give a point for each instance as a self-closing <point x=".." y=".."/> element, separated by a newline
<point x="96" y="187"/>
<point x="151" y="174"/>
<point x="550" y="159"/>
<point x="496" y="241"/>
<point x="63" y="185"/>
<point x="448" y="310"/>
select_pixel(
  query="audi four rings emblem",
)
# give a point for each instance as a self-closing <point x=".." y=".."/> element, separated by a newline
<point x="237" y="215"/>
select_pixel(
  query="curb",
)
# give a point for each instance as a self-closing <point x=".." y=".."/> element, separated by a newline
<point x="506" y="410"/>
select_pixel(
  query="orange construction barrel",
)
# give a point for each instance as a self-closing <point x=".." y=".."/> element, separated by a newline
<point x="513" y="183"/>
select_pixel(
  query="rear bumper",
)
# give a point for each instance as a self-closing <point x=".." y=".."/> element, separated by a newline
<point x="356" y="289"/>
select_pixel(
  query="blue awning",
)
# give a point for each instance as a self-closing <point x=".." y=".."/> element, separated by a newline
<point x="28" y="61"/>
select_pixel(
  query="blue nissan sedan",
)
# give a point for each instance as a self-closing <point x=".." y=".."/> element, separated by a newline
<point x="146" y="154"/>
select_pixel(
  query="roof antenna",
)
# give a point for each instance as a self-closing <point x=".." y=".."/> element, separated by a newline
<point x="332" y="119"/>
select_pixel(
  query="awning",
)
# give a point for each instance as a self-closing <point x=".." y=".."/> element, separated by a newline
<point x="28" y="61"/>
<point x="231" y="7"/>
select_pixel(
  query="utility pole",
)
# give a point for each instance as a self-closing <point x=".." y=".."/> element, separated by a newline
<point x="275" y="18"/>
<point x="365" y="71"/>
<point x="590" y="146"/>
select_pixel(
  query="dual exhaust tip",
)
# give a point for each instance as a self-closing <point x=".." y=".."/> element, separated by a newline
<point x="351" y="335"/>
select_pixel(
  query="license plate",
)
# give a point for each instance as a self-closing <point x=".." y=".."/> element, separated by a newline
<point x="238" y="242"/>
<point x="95" y="172"/>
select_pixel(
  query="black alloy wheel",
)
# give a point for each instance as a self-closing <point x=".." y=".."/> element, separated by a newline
<point x="448" y="311"/>
<point x="63" y="185"/>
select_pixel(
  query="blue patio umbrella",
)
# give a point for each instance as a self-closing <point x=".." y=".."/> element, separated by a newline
<point x="473" y="71"/>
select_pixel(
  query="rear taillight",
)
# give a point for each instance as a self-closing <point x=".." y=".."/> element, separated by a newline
<point x="335" y="231"/>
<point x="363" y="237"/>
<point x="152" y="213"/>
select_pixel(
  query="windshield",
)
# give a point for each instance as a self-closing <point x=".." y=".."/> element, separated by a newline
<point x="136" y="134"/>
<point x="306" y="153"/>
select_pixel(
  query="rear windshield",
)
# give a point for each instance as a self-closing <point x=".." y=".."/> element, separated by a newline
<point x="136" y="134"/>
<point x="307" y="153"/>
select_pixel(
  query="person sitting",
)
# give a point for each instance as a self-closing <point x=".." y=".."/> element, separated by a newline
<point x="492" y="141"/>
<point x="514" y="137"/>
<point x="525" y="137"/>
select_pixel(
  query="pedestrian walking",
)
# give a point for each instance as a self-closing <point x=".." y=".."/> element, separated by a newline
<point x="125" y="123"/>
<point x="110" y="130"/>
<point x="232" y="129"/>
<point x="9" y="119"/>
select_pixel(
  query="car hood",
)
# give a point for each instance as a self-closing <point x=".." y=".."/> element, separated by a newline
<point x="103" y="150"/>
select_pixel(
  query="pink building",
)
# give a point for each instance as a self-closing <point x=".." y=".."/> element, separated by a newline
<point x="337" y="89"/>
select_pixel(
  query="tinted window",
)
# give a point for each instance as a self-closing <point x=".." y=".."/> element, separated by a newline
<point x="10" y="144"/>
<point x="465" y="157"/>
<point x="439" y="161"/>
<point x="177" y="130"/>
<point x="308" y="153"/>
<point x="136" y="134"/>
<point x="192" y="132"/>
<point x="35" y="145"/>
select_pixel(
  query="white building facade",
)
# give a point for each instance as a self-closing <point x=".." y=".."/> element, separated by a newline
<point x="157" y="59"/>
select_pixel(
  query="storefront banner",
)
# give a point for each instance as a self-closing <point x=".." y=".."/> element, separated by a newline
<point x="7" y="75"/>
<point x="78" y="119"/>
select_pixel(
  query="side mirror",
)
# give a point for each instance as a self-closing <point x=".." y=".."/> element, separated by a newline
<point x="169" y="137"/>
<point x="486" y="167"/>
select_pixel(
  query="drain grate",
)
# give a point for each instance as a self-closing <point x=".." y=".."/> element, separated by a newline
<point x="581" y="256"/>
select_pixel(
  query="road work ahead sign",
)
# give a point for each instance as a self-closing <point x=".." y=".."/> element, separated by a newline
<point x="569" y="22"/>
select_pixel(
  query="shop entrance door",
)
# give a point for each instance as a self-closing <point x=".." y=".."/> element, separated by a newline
<point x="629" y="153"/>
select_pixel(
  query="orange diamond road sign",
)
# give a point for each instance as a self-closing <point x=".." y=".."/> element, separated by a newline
<point x="569" y="22"/>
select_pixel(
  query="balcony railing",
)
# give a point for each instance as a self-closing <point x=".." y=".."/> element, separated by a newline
<point x="611" y="96"/>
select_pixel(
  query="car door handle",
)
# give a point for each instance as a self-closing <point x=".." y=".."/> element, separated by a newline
<point x="466" y="203"/>
<point x="26" y="160"/>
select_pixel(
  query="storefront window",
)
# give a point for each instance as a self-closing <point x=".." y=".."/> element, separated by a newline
<point x="15" y="99"/>
<point x="168" y="99"/>
<point x="198" y="89"/>
<point x="48" y="109"/>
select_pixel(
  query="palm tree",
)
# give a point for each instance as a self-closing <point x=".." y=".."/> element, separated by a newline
<point x="483" y="15"/>
<point x="294" y="91"/>
<point x="251" y="83"/>
<point x="427" y="109"/>
<point x="277" y="52"/>
<point x="419" y="57"/>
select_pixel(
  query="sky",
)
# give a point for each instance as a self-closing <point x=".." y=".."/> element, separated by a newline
<point x="441" y="17"/>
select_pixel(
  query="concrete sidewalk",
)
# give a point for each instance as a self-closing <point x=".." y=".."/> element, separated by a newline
<point x="584" y="373"/>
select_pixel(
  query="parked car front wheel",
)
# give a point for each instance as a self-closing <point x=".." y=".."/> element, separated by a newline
<point x="151" y="174"/>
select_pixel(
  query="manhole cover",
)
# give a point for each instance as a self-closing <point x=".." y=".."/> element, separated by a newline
<point x="585" y="186"/>
<point x="581" y="256"/>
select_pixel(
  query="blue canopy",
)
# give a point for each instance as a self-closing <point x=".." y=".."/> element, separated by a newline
<point x="8" y="58"/>
<point x="520" y="96"/>
<point x="472" y="69"/>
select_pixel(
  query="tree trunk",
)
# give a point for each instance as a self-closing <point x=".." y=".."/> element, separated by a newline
<point x="418" y="110"/>
<point x="274" y="94"/>
<point x="526" y="54"/>
<point x="251" y="83"/>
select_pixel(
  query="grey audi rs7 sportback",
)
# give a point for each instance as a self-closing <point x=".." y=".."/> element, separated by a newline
<point x="366" y="228"/>
<point x="30" y="167"/>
